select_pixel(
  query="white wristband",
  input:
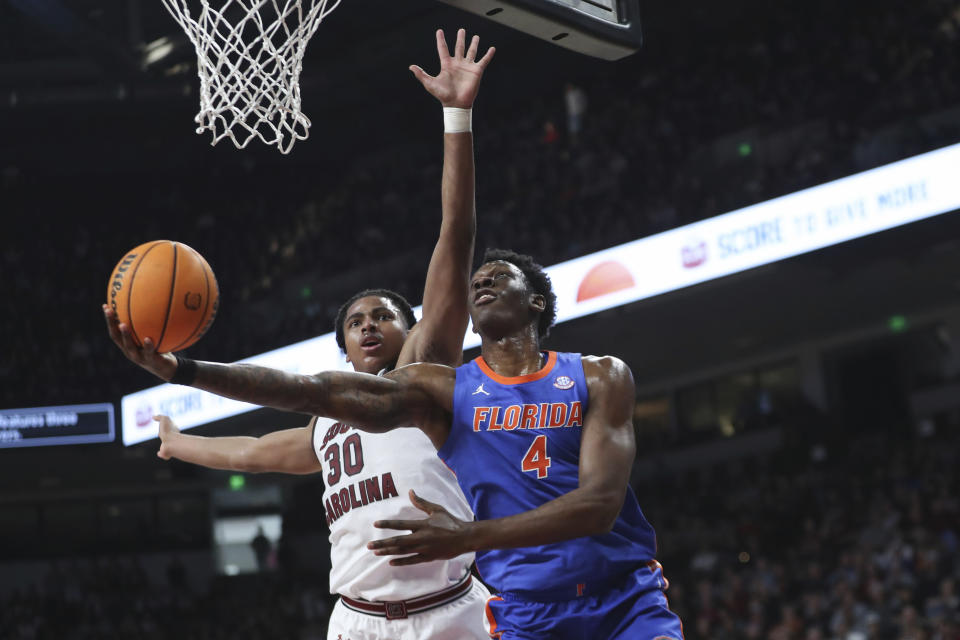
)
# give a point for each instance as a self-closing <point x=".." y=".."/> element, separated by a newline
<point x="457" y="120"/>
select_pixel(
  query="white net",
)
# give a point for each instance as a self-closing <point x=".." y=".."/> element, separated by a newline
<point x="249" y="58"/>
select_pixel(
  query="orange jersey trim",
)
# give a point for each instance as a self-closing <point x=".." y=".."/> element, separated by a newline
<point x="653" y="565"/>
<point x="491" y="621"/>
<point x="448" y="467"/>
<point x="530" y="377"/>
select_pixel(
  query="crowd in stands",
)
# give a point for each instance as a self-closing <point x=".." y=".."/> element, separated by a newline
<point x="808" y="92"/>
<point x="856" y="542"/>
<point x="113" y="598"/>
<point x="859" y="542"/>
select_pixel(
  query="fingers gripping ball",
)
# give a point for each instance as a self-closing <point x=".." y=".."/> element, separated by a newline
<point x="165" y="291"/>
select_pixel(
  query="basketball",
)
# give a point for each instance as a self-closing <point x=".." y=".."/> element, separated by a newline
<point x="165" y="291"/>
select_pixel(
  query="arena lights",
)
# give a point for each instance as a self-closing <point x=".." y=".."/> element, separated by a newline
<point x="825" y="215"/>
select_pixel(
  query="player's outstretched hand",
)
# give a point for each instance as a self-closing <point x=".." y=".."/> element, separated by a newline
<point x="168" y="431"/>
<point x="162" y="365"/>
<point x="458" y="81"/>
<point x="439" y="536"/>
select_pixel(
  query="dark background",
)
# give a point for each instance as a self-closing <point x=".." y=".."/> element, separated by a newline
<point x="796" y="447"/>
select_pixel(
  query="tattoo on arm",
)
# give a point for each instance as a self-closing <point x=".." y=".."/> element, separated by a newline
<point x="256" y="385"/>
<point x="369" y="402"/>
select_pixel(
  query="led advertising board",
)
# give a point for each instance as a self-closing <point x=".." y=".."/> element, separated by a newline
<point x="45" y="426"/>
<point x="889" y="196"/>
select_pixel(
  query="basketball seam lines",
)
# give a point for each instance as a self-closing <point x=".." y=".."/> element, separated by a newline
<point x="206" y="305"/>
<point x="130" y="291"/>
<point x="173" y="284"/>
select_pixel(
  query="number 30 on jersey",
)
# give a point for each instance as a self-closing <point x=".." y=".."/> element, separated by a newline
<point x="536" y="458"/>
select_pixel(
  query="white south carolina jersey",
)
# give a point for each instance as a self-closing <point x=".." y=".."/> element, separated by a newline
<point x="367" y="477"/>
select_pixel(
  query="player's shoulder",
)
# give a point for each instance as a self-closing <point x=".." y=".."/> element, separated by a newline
<point x="603" y="362"/>
<point x="605" y="368"/>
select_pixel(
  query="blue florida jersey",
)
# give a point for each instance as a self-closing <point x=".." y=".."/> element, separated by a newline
<point x="515" y="445"/>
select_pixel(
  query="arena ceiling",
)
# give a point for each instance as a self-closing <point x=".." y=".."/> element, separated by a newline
<point x="89" y="52"/>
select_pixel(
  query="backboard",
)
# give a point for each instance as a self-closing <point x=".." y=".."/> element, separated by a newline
<point x="607" y="29"/>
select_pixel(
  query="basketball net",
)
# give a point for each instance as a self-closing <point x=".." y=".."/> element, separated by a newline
<point x="249" y="58"/>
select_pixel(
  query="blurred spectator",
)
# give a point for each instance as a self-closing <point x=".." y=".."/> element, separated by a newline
<point x="262" y="549"/>
<point x="575" y="101"/>
<point x="550" y="133"/>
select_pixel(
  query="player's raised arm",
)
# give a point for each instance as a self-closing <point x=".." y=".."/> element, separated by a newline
<point x="606" y="456"/>
<point x="285" y="451"/>
<point x="439" y="338"/>
<point x="373" y="403"/>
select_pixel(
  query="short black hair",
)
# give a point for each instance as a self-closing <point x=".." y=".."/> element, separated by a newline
<point x="405" y="310"/>
<point x="538" y="280"/>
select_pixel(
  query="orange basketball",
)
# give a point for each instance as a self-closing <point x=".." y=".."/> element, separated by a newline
<point x="165" y="291"/>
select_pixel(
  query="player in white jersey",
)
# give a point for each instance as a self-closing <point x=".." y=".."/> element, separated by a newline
<point x="367" y="477"/>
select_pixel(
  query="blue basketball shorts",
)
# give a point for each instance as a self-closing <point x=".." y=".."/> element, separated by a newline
<point x="631" y="608"/>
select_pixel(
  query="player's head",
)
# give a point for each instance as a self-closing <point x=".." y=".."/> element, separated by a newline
<point x="371" y="328"/>
<point x="509" y="291"/>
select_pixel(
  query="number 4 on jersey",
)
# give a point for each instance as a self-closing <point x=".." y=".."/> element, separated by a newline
<point x="536" y="458"/>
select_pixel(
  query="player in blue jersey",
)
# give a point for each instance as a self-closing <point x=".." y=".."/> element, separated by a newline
<point x="542" y="444"/>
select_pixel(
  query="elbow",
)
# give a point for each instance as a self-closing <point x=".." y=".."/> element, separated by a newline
<point x="603" y="524"/>
<point x="246" y="461"/>
<point x="605" y="510"/>
<point x="252" y="468"/>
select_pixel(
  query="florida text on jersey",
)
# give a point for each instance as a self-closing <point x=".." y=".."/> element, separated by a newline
<point x="515" y="445"/>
